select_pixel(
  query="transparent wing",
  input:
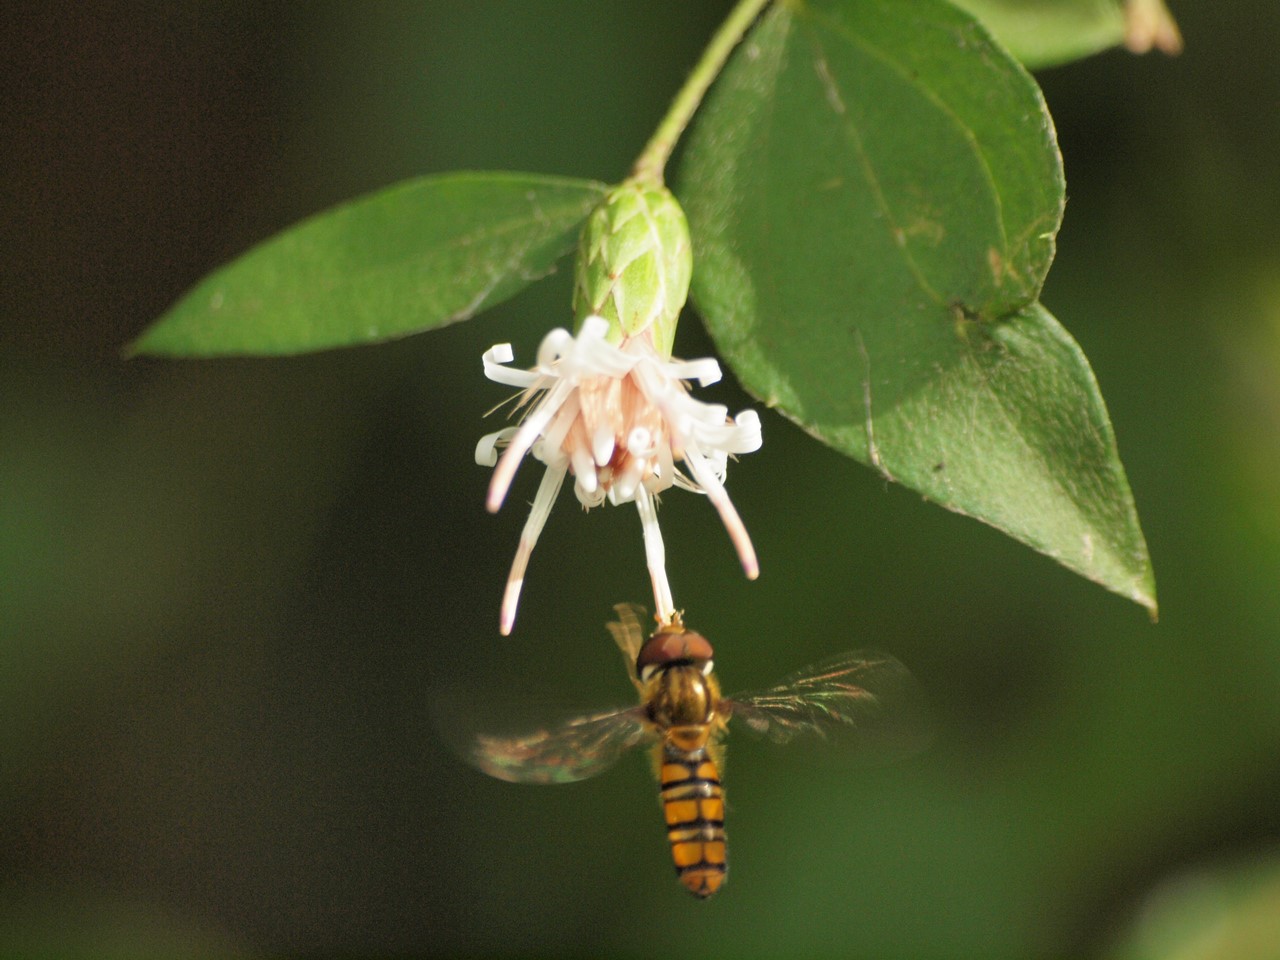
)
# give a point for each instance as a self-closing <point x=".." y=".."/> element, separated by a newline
<point x="628" y="633"/>
<point x="868" y="698"/>
<point x="576" y="750"/>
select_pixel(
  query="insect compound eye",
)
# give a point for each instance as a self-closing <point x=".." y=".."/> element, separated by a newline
<point x="672" y="646"/>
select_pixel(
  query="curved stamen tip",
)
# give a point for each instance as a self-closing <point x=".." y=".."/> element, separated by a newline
<point x="739" y="536"/>
<point x="746" y="552"/>
<point x="500" y="482"/>
<point x="493" y="503"/>
<point x="510" y="600"/>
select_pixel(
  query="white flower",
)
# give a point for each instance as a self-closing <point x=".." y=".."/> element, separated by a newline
<point x="617" y="418"/>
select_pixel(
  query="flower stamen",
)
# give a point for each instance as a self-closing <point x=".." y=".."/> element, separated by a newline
<point x="618" y="418"/>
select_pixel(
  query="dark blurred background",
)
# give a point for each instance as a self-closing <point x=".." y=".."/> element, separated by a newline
<point x="234" y="594"/>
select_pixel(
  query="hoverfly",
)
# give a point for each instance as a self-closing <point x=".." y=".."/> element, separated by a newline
<point x="683" y="716"/>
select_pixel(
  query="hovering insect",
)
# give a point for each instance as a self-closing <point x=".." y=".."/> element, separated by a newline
<point x="682" y="715"/>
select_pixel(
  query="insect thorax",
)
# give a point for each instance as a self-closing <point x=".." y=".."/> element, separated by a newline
<point x="682" y="695"/>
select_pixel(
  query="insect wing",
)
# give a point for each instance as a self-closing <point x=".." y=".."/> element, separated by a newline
<point x="576" y="750"/>
<point x="628" y="634"/>
<point x="868" y="698"/>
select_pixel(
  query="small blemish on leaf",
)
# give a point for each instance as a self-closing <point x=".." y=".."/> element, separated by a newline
<point x="996" y="262"/>
<point x="929" y="230"/>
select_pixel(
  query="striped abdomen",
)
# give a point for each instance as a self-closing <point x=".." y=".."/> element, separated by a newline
<point x="693" y="803"/>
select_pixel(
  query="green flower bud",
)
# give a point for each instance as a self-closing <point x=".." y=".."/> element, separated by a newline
<point x="634" y="264"/>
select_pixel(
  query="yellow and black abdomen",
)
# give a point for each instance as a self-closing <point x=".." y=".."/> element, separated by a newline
<point x="693" y="804"/>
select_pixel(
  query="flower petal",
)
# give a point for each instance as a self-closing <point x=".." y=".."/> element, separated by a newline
<point x="741" y="435"/>
<point x="706" y="370"/>
<point x="487" y="448"/>
<point x="493" y="360"/>
<point x="555" y="345"/>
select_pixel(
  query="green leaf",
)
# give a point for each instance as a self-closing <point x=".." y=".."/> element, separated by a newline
<point x="873" y="189"/>
<point x="413" y="257"/>
<point x="1043" y="33"/>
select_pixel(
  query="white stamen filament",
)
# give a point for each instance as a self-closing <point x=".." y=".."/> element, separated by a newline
<point x="656" y="557"/>
<point x="522" y="441"/>
<point x="547" y="490"/>
<point x="553" y="438"/>
<point x="733" y="524"/>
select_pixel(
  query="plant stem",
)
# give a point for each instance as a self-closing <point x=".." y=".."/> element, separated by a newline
<point x="653" y="159"/>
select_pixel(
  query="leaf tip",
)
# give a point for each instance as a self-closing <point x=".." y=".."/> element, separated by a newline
<point x="1143" y="592"/>
<point x="141" y="345"/>
<point x="1147" y="598"/>
<point x="147" y="344"/>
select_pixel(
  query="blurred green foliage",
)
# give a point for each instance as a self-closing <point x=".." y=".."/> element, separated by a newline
<point x="1220" y="911"/>
<point x="232" y="592"/>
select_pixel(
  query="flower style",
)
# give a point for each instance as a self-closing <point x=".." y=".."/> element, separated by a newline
<point x="617" y="418"/>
